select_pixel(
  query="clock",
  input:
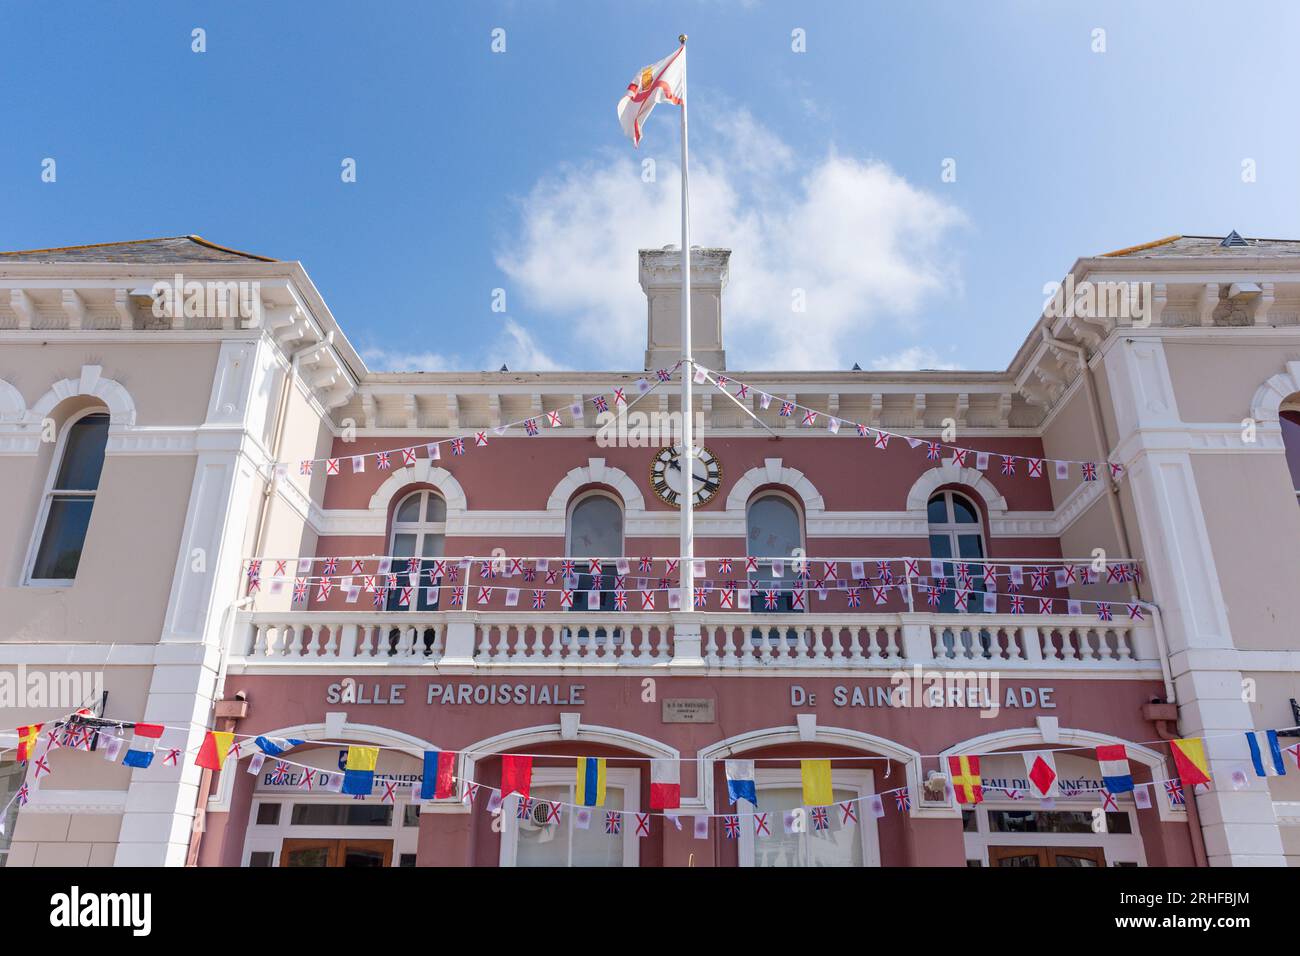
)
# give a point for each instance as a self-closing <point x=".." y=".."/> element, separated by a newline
<point x="669" y="481"/>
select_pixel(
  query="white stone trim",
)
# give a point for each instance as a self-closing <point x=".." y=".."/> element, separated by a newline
<point x="1000" y="740"/>
<point x="950" y="473"/>
<point x="424" y="471"/>
<point x="1268" y="398"/>
<point x="596" y="473"/>
<point x="774" y="472"/>
<point x="12" y="406"/>
<point x="739" y="744"/>
<point x="121" y="407"/>
<point x="79" y="802"/>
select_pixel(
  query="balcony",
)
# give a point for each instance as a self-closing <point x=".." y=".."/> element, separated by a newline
<point x="715" y="643"/>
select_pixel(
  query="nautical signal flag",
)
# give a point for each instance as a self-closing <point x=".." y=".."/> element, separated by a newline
<point x="1112" y="761"/>
<point x="966" y="781"/>
<point x="817" y="790"/>
<point x="27" y="737"/>
<point x="274" y="746"/>
<point x="740" y="781"/>
<point x="665" y="784"/>
<point x="439" y="768"/>
<point x="359" y="771"/>
<point x="590" y="784"/>
<point x="1189" y="758"/>
<point x="212" y="753"/>
<point x="140" y="752"/>
<point x="516" y="775"/>
<point x="1040" y="768"/>
<point x="1265" y="753"/>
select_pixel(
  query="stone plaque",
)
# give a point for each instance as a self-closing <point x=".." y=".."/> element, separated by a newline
<point x="689" y="710"/>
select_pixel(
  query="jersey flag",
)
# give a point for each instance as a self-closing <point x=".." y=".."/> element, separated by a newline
<point x="655" y="84"/>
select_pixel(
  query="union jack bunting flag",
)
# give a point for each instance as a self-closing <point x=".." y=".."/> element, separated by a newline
<point x="304" y="468"/>
<point x="1089" y="471"/>
<point x="1135" y="612"/>
<point x="331" y="566"/>
<point x="882" y="440"/>
<point x="281" y="772"/>
<point x="932" y="597"/>
<point x="1035" y="467"/>
<point x="1039" y="578"/>
<point x="567" y="568"/>
<point x="663" y="374"/>
<point x="300" y="589"/>
<point x="522" y="810"/>
<point x="553" y="419"/>
<point x="381" y="597"/>
<point x="724" y="566"/>
<point x="1008" y="465"/>
<point x="1174" y="788"/>
<point x="530" y="426"/>
<point x="731" y="827"/>
<point x="862" y="430"/>
<point x="458" y="595"/>
<point x="644" y="565"/>
<point x="933" y="450"/>
<point x="1103" y="611"/>
<point x="1017" y="604"/>
<point x="600" y="403"/>
<point x="701" y="597"/>
<point x="458" y="446"/>
<point x="821" y="820"/>
<point x="382" y="462"/>
<point x="613" y="822"/>
<point x="24" y="794"/>
<point x="539" y="600"/>
<point x="855" y="597"/>
<point x="620" y="600"/>
<point x="786" y="409"/>
<point x="770" y="600"/>
<point x="903" y="800"/>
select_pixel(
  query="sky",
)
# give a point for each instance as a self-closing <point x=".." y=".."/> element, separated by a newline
<point x="820" y="135"/>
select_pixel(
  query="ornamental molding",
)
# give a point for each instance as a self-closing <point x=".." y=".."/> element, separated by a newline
<point x="597" y="473"/>
<point x="950" y="473"/>
<point x="121" y="407"/>
<point x="775" y="472"/>
<point x="424" y="471"/>
<point x="1268" y="398"/>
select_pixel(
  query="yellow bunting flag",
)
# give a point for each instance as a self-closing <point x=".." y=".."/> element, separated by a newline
<point x="1189" y="758"/>
<point x="817" y="790"/>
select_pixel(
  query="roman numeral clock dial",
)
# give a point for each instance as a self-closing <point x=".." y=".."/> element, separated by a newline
<point x="668" y="478"/>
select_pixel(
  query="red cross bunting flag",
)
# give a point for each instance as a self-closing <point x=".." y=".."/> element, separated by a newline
<point x="652" y="85"/>
<point x="966" y="781"/>
<point x="1040" y="768"/>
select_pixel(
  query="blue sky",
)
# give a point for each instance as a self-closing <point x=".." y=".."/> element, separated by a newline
<point x="822" y="169"/>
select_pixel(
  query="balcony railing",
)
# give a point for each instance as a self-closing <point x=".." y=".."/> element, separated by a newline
<point x="724" y="642"/>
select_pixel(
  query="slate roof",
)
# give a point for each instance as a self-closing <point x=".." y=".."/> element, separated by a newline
<point x="1172" y="247"/>
<point x="173" y="249"/>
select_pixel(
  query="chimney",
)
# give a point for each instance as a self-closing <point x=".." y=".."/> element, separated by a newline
<point x="660" y="273"/>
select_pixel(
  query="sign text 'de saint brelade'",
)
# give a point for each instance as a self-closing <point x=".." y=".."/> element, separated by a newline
<point x="503" y="693"/>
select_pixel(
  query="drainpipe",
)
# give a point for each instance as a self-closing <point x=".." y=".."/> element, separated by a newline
<point x="229" y="712"/>
<point x="1165" y="718"/>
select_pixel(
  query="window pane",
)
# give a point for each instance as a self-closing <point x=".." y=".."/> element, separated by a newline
<point x="83" y="454"/>
<point x="964" y="511"/>
<point x="432" y="546"/>
<point x="403" y="546"/>
<point x="65" y="534"/>
<point x="773" y="528"/>
<point x="596" y="528"/>
<point x="940" y="546"/>
<point x="436" y="510"/>
<point x="937" y="510"/>
<point x="409" y="509"/>
<point x="268" y="814"/>
<point x="1290" y="422"/>
<point x="970" y="546"/>
<point x="548" y="844"/>
<point x="342" y="814"/>
<point x="832" y="847"/>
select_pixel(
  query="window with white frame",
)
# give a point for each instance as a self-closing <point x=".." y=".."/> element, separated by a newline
<point x="533" y="841"/>
<point x="840" y="843"/>
<point x="419" y="531"/>
<point x="11" y="778"/>
<point x="594" y="530"/>
<point x="774" y="531"/>
<point x="68" y="500"/>
<point x="957" y="535"/>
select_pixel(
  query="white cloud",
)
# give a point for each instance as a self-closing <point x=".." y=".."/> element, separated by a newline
<point x="863" y="244"/>
<point x="515" y="348"/>
<point x="910" y="359"/>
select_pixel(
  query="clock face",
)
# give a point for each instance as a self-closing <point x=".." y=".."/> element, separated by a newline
<point x="668" y="477"/>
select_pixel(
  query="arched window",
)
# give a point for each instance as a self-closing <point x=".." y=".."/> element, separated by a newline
<point x="1289" y="419"/>
<point x="774" y="531"/>
<point x="419" y="531"/>
<point x="68" y="500"/>
<point x="956" y="533"/>
<point x="594" y="530"/>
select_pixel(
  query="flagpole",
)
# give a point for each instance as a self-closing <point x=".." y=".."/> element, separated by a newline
<point x="688" y="374"/>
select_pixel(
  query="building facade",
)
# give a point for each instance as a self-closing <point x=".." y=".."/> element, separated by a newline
<point x="221" y="519"/>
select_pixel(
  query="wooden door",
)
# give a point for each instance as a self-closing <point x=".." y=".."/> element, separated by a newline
<point x="336" y="853"/>
<point x="1031" y="856"/>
